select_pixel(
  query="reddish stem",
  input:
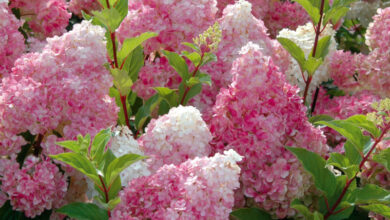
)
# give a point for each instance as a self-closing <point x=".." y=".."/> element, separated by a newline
<point x="307" y="88"/>
<point x="105" y="194"/>
<point x="193" y="74"/>
<point x="123" y="100"/>
<point x="37" y="145"/>
<point x="316" y="39"/>
<point x="331" y="212"/>
<point x="108" y="3"/>
<point x="112" y="35"/>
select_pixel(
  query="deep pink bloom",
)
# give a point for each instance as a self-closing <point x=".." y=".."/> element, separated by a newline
<point x="11" y="40"/>
<point x="37" y="186"/>
<point x="48" y="17"/>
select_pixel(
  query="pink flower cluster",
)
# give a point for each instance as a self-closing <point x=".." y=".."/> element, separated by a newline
<point x="343" y="66"/>
<point x="258" y="115"/>
<point x="37" y="186"/>
<point x="76" y="6"/>
<point x="48" y="17"/>
<point x="176" y="137"/>
<point x="64" y="87"/>
<point x="175" y="21"/>
<point x="239" y="27"/>
<point x="371" y="72"/>
<point x="11" y="40"/>
<point x="275" y="14"/>
<point x="201" y="188"/>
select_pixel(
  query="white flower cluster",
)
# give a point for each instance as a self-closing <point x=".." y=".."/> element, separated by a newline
<point x="175" y="137"/>
<point x="304" y="37"/>
<point x="124" y="143"/>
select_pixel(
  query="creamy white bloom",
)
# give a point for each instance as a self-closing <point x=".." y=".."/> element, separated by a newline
<point x="124" y="143"/>
<point x="304" y="37"/>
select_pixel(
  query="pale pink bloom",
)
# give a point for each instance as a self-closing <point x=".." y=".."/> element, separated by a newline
<point x="176" y="137"/>
<point x="11" y="40"/>
<point x="275" y="14"/>
<point x="64" y="87"/>
<point x="258" y="115"/>
<point x="175" y="21"/>
<point x="76" y="6"/>
<point x="201" y="188"/>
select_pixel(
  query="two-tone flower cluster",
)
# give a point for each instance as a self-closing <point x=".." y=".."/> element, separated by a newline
<point x="258" y="115"/>
<point x="180" y="191"/>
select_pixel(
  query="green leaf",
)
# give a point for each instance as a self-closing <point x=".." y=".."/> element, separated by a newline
<point x="318" y="216"/>
<point x="169" y="95"/>
<point x="134" y="62"/>
<point x="301" y="208"/>
<point x="178" y="63"/>
<point x="99" y="144"/>
<point x="312" y="64"/>
<point x="84" y="143"/>
<point x="295" y="51"/>
<point x="131" y="43"/>
<point x="113" y="203"/>
<point x="204" y="78"/>
<point x="145" y="111"/>
<point x="323" y="47"/>
<point x="163" y="108"/>
<point x="194" y="57"/>
<point x="380" y="209"/>
<point x="342" y="162"/>
<point x="311" y="10"/>
<point x="200" y="78"/>
<point x="349" y="131"/>
<point x="121" y="115"/>
<point x="194" y="90"/>
<point x="71" y="145"/>
<point x="122" y="81"/>
<point x="335" y="14"/>
<point x="362" y="122"/>
<point x="371" y="193"/>
<point x="209" y="57"/>
<point x="110" y="18"/>
<point x="192" y="46"/>
<point x="80" y="163"/>
<point x="119" y="164"/>
<point x="122" y="6"/>
<point x="324" y="179"/>
<point x="107" y="159"/>
<point x="83" y="211"/>
<point x="250" y="214"/>
<point x="352" y="153"/>
<point x="115" y="187"/>
<point x="318" y="118"/>
<point x="383" y="157"/>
